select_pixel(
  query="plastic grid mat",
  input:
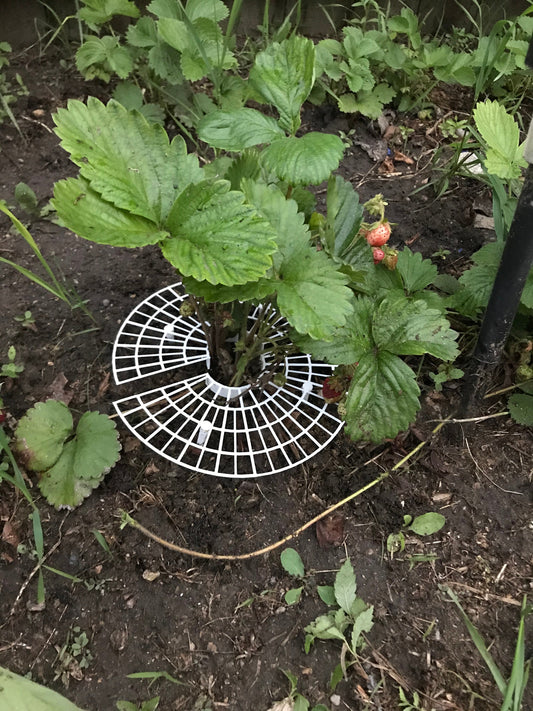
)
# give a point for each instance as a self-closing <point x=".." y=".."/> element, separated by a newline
<point x="202" y="425"/>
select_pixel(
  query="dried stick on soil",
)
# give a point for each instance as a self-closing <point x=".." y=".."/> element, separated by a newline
<point x="128" y="520"/>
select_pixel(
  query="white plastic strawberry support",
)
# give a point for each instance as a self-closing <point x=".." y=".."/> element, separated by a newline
<point x="201" y="424"/>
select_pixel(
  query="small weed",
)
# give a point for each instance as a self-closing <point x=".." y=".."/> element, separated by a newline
<point x="424" y="525"/>
<point x="347" y="611"/>
<point x="73" y="657"/>
<point x="11" y="369"/>
<point x="26" y="320"/>
<point x="294" y="701"/>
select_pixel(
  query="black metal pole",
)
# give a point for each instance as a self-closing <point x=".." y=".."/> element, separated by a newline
<point x="516" y="262"/>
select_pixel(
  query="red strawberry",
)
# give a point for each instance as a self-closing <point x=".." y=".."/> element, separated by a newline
<point x="379" y="235"/>
<point x="3" y="416"/>
<point x="379" y="254"/>
<point x="330" y="391"/>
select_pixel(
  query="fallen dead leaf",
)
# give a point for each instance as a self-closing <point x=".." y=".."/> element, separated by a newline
<point x="10" y="535"/>
<point x="58" y="389"/>
<point x="387" y="166"/>
<point x="330" y="530"/>
<point x="400" y="157"/>
<point x="284" y="705"/>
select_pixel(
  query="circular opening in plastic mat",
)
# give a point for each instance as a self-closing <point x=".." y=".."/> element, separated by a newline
<point x="201" y="424"/>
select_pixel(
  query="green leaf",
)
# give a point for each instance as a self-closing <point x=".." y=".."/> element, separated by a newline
<point x="214" y="10"/>
<point x="416" y="272"/>
<point x="130" y="162"/>
<point x="42" y="433"/>
<point x="84" y="212"/>
<point x="501" y="133"/>
<point x="312" y="294"/>
<point x="427" y="523"/>
<point x="143" y="33"/>
<point x="283" y="74"/>
<point x="300" y="703"/>
<point x="309" y="159"/>
<point x="217" y="237"/>
<point x="26" y="198"/>
<point x="521" y="409"/>
<point x="293" y="596"/>
<point x="363" y="623"/>
<point x="97" y="12"/>
<point x="251" y="291"/>
<point x="175" y="33"/>
<point x="368" y="102"/>
<point x="382" y="399"/>
<point x="165" y="62"/>
<point x="407" y="327"/>
<point x="83" y="462"/>
<point x="129" y="95"/>
<point x="99" y="56"/>
<point x="350" y="343"/>
<point x="20" y="694"/>
<point x="344" y="217"/>
<point x="292" y="563"/>
<point x="337" y="675"/>
<point x="237" y="130"/>
<point x="345" y="586"/>
<point x="324" y="628"/>
<point x="165" y="8"/>
<point x="327" y="594"/>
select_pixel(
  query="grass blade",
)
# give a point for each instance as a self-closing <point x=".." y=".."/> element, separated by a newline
<point x="477" y="639"/>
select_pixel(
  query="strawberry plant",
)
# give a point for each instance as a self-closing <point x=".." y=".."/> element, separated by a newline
<point x="70" y="463"/>
<point x="242" y="232"/>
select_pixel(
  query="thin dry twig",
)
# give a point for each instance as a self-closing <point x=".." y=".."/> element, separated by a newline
<point x="127" y="519"/>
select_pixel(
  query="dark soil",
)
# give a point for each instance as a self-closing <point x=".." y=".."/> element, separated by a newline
<point x="222" y="628"/>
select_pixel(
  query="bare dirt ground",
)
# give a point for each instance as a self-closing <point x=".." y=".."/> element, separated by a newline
<point x="222" y="628"/>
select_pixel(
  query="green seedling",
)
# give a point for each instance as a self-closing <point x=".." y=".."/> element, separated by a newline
<point x="293" y="564"/>
<point x="11" y="369"/>
<point x="445" y="373"/>
<point x="295" y="701"/>
<point x="424" y="525"/>
<point x="348" y="611"/>
<point x="73" y="658"/>
<point x="27" y="200"/>
<point x="26" y="320"/>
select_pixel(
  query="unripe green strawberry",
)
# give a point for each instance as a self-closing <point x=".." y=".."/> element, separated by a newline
<point x="186" y="309"/>
<point x="379" y="235"/>
<point x="390" y="260"/>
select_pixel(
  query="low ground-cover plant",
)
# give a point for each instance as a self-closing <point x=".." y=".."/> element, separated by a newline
<point x="243" y="234"/>
<point x="347" y="620"/>
<point x="383" y="58"/>
<point x="70" y="462"/>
